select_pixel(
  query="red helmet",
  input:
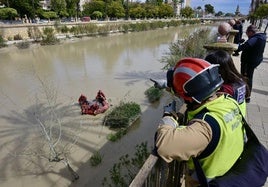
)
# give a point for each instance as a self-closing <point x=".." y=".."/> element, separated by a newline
<point x="195" y="79"/>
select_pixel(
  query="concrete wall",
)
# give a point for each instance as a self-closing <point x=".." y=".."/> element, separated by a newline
<point x="9" y="31"/>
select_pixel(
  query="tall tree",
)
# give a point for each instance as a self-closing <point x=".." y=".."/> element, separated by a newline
<point x="59" y="6"/>
<point x="23" y="7"/>
<point x="262" y="13"/>
<point x="73" y="8"/>
<point x="209" y="9"/>
<point x="187" y="12"/>
<point x="8" y="13"/>
<point x="50" y="137"/>
<point x="116" y="10"/>
<point x="95" y="5"/>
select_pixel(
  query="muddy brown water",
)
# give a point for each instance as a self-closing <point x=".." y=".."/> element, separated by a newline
<point x="120" y="65"/>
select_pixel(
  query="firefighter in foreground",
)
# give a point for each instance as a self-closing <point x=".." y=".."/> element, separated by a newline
<point x="212" y="131"/>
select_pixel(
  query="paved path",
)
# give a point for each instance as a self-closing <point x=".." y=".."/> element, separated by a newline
<point x="257" y="109"/>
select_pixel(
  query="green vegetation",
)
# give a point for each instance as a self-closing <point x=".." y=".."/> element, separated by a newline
<point x="191" y="45"/>
<point x="96" y="159"/>
<point x="2" y="42"/>
<point x="153" y="94"/>
<point x="49" y="34"/>
<point x="262" y="11"/>
<point x="34" y="33"/>
<point x="122" y="173"/>
<point x="120" y="118"/>
<point x="260" y="14"/>
<point x="8" y="13"/>
<point x="100" y="9"/>
<point x="96" y="9"/>
<point x="49" y="37"/>
<point x="113" y="137"/>
<point x="91" y="29"/>
<point x="123" y="115"/>
<point x="187" y="12"/>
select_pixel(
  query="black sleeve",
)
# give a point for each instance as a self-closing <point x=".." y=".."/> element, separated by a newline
<point x="215" y="127"/>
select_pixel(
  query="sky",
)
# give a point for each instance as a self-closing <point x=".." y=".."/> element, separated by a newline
<point x="226" y="6"/>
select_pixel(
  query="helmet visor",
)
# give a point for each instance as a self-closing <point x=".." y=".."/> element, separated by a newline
<point x="203" y="84"/>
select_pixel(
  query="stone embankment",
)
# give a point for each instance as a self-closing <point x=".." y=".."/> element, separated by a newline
<point x="8" y="31"/>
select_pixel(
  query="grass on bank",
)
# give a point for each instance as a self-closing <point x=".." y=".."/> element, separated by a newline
<point x="120" y="118"/>
<point x="153" y="94"/>
<point x="96" y="159"/>
<point x="122" y="115"/>
<point x="123" y="172"/>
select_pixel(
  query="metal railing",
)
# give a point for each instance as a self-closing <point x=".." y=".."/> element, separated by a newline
<point x="155" y="172"/>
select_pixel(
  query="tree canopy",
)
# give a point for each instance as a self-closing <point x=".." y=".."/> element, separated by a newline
<point x="8" y="13"/>
<point x="187" y="12"/>
<point x="262" y="11"/>
<point x="209" y="9"/>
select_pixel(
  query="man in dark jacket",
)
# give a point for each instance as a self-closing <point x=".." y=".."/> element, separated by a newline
<point x="238" y="37"/>
<point x="252" y="53"/>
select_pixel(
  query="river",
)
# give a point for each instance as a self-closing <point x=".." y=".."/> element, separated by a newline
<point x="120" y="65"/>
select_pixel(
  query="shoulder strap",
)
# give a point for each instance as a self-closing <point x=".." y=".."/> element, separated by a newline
<point x="200" y="173"/>
<point x="216" y="133"/>
<point x="209" y="149"/>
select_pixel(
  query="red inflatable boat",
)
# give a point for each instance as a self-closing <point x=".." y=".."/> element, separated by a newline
<point x="94" y="107"/>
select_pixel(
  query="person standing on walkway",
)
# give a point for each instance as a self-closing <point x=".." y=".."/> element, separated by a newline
<point x="238" y="37"/>
<point x="252" y="53"/>
<point x="213" y="130"/>
<point x="234" y="83"/>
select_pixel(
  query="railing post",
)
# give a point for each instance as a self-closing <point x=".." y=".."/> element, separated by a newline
<point x="144" y="171"/>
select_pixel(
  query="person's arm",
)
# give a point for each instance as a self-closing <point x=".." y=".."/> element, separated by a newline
<point x="249" y="43"/>
<point x="183" y="142"/>
<point x="242" y="47"/>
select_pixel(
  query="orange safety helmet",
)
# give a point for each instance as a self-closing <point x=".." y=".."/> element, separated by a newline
<point x="195" y="79"/>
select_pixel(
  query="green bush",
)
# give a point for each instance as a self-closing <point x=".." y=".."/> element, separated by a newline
<point x="116" y="136"/>
<point x="2" y="42"/>
<point x="10" y="38"/>
<point x="49" y="37"/>
<point x="64" y="29"/>
<point x="125" y="27"/>
<point x="122" y="115"/>
<point x="153" y="94"/>
<point x="34" y="33"/>
<point x="96" y="159"/>
<point x="191" y="45"/>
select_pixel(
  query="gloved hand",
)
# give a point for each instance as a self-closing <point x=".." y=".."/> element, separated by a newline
<point x="170" y="110"/>
<point x="160" y="84"/>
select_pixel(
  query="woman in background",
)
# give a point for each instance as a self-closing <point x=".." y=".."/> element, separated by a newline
<point x="234" y="83"/>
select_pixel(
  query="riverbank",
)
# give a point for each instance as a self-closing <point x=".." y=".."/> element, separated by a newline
<point x="16" y="34"/>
